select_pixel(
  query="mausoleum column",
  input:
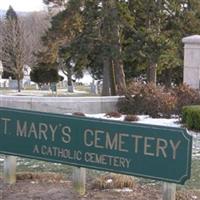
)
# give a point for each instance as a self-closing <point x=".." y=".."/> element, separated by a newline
<point x="191" y="72"/>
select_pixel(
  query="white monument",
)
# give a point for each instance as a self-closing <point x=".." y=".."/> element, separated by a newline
<point x="191" y="73"/>
<point x="3" y="82"/>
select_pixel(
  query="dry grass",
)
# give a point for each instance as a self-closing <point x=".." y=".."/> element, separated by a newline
<point x="110" y="181"/>
<point x="41" y="177"/>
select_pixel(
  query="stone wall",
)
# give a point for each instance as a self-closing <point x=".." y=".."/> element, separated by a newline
<point x="90" y="105"/>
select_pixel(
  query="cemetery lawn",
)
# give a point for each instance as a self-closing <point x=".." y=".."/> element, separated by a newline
<point x="53" y="186"/>
<point x="61" y="92"/>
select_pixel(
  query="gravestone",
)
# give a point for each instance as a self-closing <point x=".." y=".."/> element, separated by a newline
<point x="93" y="88"/>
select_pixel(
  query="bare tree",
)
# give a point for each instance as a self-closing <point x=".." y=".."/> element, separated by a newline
<point x="13" y="51"/>
<point x="35" y="24"/>
<point x="20" y="37"/>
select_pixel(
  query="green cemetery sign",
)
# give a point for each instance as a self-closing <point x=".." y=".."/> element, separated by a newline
<point x="156" y="152"/>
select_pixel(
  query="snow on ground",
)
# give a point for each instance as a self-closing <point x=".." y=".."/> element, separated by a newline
<point x="42" y="93"/>
<point x="174" y="122"/>
<point x="103" y="116"/>
<point x="86" y="79"/>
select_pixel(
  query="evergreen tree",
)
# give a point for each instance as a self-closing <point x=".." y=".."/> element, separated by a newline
<point x="159" y="28"/>
<point x="45" y="75"/>
<point x="140" y="37"/>
<point x="97" y="44"/>
<point x="65" y="26"/>
<point x="182" y="20"/>
<point x="145" y="43"/>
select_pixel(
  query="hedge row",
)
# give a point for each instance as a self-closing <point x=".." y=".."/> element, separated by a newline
<point x="157" y="101"/>
<point x="191" y="116"/>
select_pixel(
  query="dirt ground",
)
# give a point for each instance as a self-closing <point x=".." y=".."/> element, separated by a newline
<point x="54" y="187"/>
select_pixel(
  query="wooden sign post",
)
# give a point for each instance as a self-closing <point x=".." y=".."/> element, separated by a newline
<point x="169" y="191"/>
<point x="79" y="180"/>
<point x="10" y="169"/>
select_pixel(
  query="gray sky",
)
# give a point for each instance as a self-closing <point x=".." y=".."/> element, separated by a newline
<point x="22" y="5"/>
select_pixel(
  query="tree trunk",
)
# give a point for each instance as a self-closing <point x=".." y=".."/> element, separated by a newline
<point x="106" y="77"/>
<point x="18" y="85"/>
<point x="112" y="79"/>
<point x="113" y="68"/>
<point x="69" y="80"/>
<point x="151" y="73"/>
<point x="117" y="60"/>
<point x="168" y="78"/>
<point x="120" y="77"/>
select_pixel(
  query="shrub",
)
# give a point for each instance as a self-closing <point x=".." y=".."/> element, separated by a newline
<point x="186" y="96"/>
<point x="148" y="99"/>
<point x="131" y="118"/>
<point x="191" y="116"/>
<point x="113" y="114"/>
<point x="45" y="75"/>
<point x="156" y="101"/>
<point x="134" y="87"/>
<point x="78" y="114"/>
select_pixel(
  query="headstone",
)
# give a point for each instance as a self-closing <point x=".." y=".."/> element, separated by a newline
<point x="70" y="88"/>
<point x="14" y="85"/>
<point x="53" y="87"/>
<point x="45" y="87"/>
<point x="93" y="88"/>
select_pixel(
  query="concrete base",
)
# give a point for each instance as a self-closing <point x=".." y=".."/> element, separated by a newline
<point x="10" y="169"/>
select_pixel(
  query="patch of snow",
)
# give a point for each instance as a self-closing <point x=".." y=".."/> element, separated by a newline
<point x="79" y="92"/>
<point x="34" y="182"/>
<point x="123" y="190"/>
<point x="145" y="119"/>
<point x="109" y="181"/>
<point x="103" y="116"/>
<point x="35" y="166"/>
<point x="86" y="80"/>
<point x="194" y="197"/>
